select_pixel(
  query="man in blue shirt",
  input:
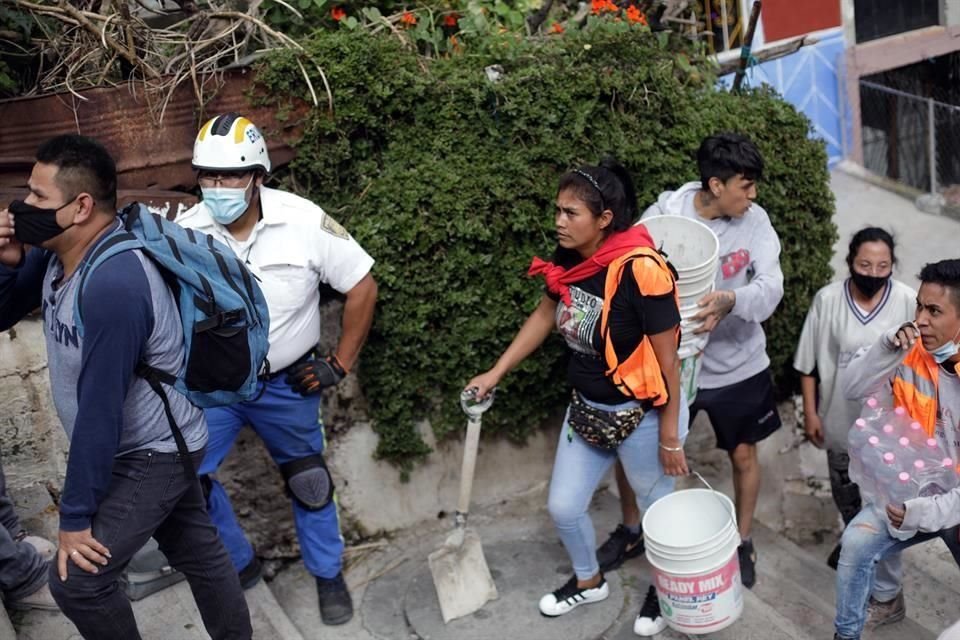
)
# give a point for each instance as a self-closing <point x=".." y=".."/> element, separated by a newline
<point x="125" y="481"/>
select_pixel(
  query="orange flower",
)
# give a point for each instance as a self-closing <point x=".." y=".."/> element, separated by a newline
<point x="450" y="20"/>
<point x="338" y="13"/>
<point x="556" y="27"/>
<point x="635" y="15"/>
<point x="408" y="19"/>
<point x="455" y="44"/>
<point x="599" y="6"/>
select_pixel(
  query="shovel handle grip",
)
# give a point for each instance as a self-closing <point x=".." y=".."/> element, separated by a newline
<point x="470" y="446"/>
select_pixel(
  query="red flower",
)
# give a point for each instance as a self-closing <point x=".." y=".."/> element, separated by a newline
<point x="408" y="19"/>
<point x="338" y="13"/>
<point x="599" y="6"/>
<point x="450" y="20"/>
<point x="556" y="27"/>
<point x="635" y="15"/>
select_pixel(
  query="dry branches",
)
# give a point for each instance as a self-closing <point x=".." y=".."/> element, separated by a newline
<point x="82" y="48"/>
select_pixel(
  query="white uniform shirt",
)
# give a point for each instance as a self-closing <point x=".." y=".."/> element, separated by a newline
<point x="292" y="249"/>
<point x="834" y="331"/>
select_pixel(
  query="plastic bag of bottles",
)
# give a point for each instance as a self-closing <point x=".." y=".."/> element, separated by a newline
<point x="893" y="459"/>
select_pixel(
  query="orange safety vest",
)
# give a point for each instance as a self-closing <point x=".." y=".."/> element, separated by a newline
<point x="915" y="385"/>
<point x="639" y="376"/>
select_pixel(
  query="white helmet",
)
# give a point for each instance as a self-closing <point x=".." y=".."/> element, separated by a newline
<point x="230" y="142"/>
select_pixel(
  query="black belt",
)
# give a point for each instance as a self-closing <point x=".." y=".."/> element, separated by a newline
<point x="273" y="375"/>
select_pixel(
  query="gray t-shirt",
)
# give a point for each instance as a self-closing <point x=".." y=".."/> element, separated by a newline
<point x="129" y="316"/>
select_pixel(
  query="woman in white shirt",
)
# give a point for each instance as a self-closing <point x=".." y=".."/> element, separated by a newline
<point x="845" y="317"/>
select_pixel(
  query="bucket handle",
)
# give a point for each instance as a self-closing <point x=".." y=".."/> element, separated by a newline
<point x="713" y="492"/>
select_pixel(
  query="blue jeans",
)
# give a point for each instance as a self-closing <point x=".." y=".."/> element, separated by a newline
<point x="865" y="541"/>
<point x="289" y="425"/>
<point x="579" y="467"/>
<point x="150" y="495"/>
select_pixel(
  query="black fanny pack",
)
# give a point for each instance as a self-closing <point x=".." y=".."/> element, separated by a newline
<point x="601" y="428"/>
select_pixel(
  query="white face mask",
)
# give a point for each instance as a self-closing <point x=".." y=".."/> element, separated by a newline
<point x="947" y="350"/>
<point x="226" y="204"/>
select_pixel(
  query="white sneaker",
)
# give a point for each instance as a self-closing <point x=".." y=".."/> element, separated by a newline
<point x="570" y="596"/>
<point x="649" y="622"/>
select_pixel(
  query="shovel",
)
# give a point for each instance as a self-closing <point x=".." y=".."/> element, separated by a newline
<point x="460" y="572"/>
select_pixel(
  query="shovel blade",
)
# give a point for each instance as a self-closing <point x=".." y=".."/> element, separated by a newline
<point x="461" y="577"/>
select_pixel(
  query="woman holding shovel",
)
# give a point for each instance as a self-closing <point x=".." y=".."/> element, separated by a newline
<point x="613" y="298"/>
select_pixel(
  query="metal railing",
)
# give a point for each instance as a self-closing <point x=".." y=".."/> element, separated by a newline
<point x="909" y="138"/>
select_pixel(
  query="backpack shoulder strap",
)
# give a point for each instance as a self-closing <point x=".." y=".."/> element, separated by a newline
<point x="117" y="242"/>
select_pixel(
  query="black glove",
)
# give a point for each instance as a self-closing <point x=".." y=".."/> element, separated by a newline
<point x="314" y="376"/>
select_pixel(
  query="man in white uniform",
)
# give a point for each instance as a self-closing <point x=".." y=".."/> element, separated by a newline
<point x="293" y="247"/>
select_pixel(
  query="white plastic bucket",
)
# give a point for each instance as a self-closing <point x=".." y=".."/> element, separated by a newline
<point x="692" y="248"/>
<point x="689" y="296"/>
<point x="690" y="245"/>
<point x="691" y="542"/>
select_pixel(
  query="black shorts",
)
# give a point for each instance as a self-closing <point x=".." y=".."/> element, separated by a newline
<point x="742" y="413"/>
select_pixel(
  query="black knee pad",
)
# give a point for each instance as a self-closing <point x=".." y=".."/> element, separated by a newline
<point x="308" y="481"/>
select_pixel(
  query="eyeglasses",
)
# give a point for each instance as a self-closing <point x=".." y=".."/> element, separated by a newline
<point x="224" y="179"/>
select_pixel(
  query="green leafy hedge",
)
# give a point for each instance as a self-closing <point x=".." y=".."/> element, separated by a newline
<point x="448" y="180"/>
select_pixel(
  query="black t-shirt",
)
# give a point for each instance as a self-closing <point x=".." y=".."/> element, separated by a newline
<point x="632" y="316"/>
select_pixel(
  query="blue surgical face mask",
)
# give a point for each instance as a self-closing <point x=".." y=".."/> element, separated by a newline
<point x="226" y="204"/>
<point x="947" y="350"/>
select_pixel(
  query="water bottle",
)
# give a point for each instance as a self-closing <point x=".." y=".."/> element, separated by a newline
<point x="861" y="468"/>
<point x="872" y="410"/>
<point x="885" y="477"/>
<point x="857" y="437"/>
<point x="916" y="433"/>
<point x="936" y="479"/>
<point x="902" y="489"/>
<point x="932" y="450"/>
<point x="907" y="452"/>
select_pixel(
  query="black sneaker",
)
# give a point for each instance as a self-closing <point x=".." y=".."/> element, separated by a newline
<point x="620" y="546"/>
<point x="748" y="558"/>
<point x="570" y="596"/>
<point x="649" y="622"/>
<point x="250" y="575"/>
<point x="834" y="558"/>
<point x="336" y="606"/>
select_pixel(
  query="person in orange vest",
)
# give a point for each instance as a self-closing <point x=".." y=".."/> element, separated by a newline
<point x="916" y="363"/>
<point x="735" y="385"/>
<point x="613" y="298"/>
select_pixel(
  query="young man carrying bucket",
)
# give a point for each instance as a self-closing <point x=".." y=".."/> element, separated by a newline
<point x="734" y="386"/>
<point x="918" y="364"/>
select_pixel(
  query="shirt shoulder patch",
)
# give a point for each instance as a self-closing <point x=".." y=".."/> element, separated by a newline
<point x="333" y="227"/>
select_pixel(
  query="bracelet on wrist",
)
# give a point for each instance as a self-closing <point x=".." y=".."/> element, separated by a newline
<point x="670" y="449"/>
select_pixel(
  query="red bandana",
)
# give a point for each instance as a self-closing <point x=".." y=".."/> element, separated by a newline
<point x="612" y="248"/>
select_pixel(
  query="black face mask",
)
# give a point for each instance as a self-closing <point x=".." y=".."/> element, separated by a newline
<point x="34" y="225"/>
<point x="868" y="285"/>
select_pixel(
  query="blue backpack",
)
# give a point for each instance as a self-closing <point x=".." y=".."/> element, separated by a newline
<point x="222" y="310"/>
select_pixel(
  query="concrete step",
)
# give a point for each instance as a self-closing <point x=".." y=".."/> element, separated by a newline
<point x="803" y="588"/>
<point x="166" y="615"/>
<point x="759" y="620"/>
<point x="6" y="627"/>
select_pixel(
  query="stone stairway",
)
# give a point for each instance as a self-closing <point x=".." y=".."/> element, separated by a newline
<point x="393" y="593"/>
